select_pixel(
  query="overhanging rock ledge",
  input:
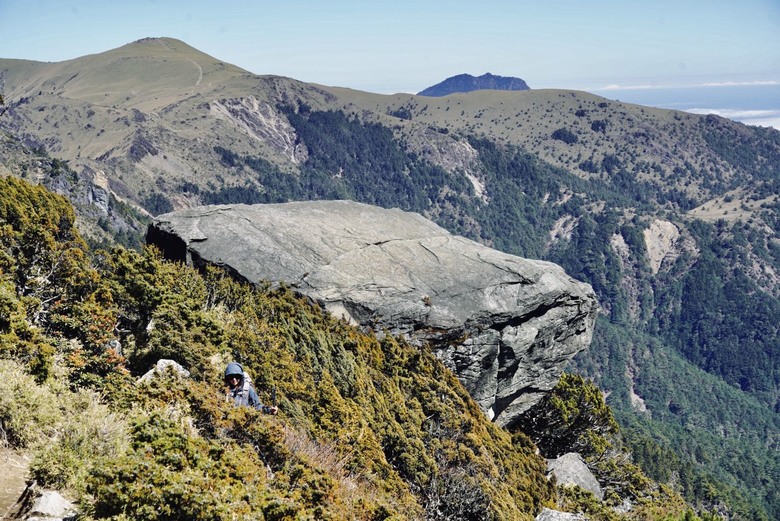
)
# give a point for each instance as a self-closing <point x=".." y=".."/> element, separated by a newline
<point x="505" y="325"/>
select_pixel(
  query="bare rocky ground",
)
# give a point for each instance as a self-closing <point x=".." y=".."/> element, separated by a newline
<point x="13" y="476"/>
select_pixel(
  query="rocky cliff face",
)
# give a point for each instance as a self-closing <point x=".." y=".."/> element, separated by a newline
<point x="505" y="325"/>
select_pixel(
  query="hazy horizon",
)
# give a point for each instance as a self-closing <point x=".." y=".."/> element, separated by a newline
<point x="753" y="104"/>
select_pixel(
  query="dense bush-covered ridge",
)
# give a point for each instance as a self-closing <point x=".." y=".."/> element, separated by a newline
<point x="384" y="427"/>
<point x="369" y="429"/>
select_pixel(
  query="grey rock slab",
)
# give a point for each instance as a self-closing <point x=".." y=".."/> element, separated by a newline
<point x="570" y="469"/>
<point x="553" y="515"/>
<point x="51" y="504"/>
<point x="505" y="325"/>
<point x="161" y="367"/>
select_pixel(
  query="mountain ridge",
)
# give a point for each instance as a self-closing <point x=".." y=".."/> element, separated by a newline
<point x="165" y="67"/>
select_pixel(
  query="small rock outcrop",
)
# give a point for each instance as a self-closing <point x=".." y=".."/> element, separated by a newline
<point x="37" y="504"/>
<point x="553" y="515"/>
<point x="570" y="469"/>
<point x="161" y="367"/>
<point x="51" y="506"/>
<point x="505" y="325"/>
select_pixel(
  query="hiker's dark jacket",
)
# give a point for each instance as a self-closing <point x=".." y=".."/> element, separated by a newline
<point x="244" y="393"/>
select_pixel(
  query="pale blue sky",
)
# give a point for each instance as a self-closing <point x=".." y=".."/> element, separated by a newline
<point x="405" y="46"/>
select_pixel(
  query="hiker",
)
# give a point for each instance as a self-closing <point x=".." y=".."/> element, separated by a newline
<point x="241" y="390"/>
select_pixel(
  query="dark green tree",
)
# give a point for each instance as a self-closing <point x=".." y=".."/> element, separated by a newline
<point x="573" y="417"/>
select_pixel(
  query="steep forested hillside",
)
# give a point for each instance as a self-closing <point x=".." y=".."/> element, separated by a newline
<point x="369" y="429"/>
<point x="672" y="217"/>
<point x="710" y="307"/>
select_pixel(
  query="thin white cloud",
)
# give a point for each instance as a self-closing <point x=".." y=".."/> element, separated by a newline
<point x="763" y="122"/>
<point x="736" y="113"/>
<point x="761" y="118"/>
<point x="694" y="98"/>
<point x="757" y="83"/>
<point x="629" y="87"/>
<point x="761" y="83"/>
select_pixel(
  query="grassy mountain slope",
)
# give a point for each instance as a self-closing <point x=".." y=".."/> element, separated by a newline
<point x="672" y="217"/>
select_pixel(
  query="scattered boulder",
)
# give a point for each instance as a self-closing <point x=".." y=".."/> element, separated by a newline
<point x="161" y="367"/>
<point x="505" y="325"/>
<point x="50" y="506"/>
<point x="37" y="504"/>
<point x="570" y="469"/>
<point x="625" y="507"/>
<point x="553" y="515"/>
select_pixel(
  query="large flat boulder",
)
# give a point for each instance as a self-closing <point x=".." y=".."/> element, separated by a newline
<point x="505" y="325"/>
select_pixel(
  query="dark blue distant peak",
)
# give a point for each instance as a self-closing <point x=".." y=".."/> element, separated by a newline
<point x="468" y="83"/>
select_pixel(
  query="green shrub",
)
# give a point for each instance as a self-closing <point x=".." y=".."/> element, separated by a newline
<point x="565" y="135"/>
<point x="64" y="431"/>
<point x="87" y="433"/>
<point x="573" y="417"/>
<point x="29" y="412"/>
<point x="171" y="475"/>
